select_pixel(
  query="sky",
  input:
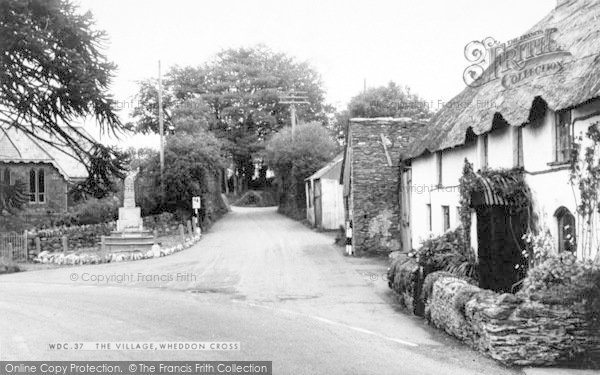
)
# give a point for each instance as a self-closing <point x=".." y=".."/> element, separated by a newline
<point x="415" y="43"/>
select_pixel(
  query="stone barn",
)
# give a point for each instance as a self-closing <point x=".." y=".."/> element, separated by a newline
<point x="370" y="177"/>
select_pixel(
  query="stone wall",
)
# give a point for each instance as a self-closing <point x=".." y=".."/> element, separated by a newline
<point x="403" y="278"/>
<point x="512" y="329"/>
<point x="530" y="333"/>
<point x="374" y="183"/>
<point x="164" y="224"/>
<point x="78" y="237"/>
<point x="443" y="308"/>
<point x="88" y="237"/>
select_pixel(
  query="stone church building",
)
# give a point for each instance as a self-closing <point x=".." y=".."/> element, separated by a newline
<point x="47" y="172"/>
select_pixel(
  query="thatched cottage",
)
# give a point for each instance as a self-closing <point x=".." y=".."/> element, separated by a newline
<point x="539" y="93"/>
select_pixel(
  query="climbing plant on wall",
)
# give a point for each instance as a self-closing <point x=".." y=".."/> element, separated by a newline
<point x="585" y="175"/>
<point x="508" y="184"/>
<point x="467" y="184"/>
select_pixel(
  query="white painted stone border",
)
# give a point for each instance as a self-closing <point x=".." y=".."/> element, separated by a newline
<point x="89" y="258"/>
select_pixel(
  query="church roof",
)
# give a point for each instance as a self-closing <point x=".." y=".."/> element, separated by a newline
<point x="19" y="147"/>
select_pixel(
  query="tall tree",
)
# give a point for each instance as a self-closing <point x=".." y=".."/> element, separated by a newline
<point x="388" y="101"/>
<point x="52" y="72"/>
<point x="242" y="89"/>
<point x="295" y="157"/>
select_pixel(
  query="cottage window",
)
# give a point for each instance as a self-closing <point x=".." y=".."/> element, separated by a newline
<point x="5" y="176"/>
<point x="37" y="186"/>
<point x="458" y="219"/>
<point x="429" y="219"/>
<point x="518" y="147"/>
<point x="446" y="217"/>
<point x="563" y="136"/>
<point x="485" y="151"/>
<point x="567" y="241"/>
<point x="439" y="168"/>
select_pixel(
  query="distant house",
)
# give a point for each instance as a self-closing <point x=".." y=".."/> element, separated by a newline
<point x="47" y="172"/>
<point x="325" y="196"/>
<point x="370" y="178"/>
<point x="515" y="121"/>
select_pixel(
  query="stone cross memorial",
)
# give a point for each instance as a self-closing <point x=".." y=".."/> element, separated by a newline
<point x="130" y="218"/>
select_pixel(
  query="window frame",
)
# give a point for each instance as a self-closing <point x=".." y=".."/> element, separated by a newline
<point x="563" y="214"/>
<point x="6" y="175"/>
<point x="37" y="179"/>
<point x="483" y="150"/>
<point x="518" y="147"/>
<point x="439" y="168"/>
<point x="445" y="218"/>
<point x="429" y="217"/>
<point x="563" y="140"/>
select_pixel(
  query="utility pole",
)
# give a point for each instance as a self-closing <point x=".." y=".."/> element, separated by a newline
<point x="294" y="98"/>
<point x="161" y="125"/>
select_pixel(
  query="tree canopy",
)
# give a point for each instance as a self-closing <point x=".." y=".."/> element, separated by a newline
<point x="295" y="157"/>
<point x="388" y="101"/>
<point x="53" y="72"/>
<point x="239" y="94"/>
<point x="192" y="166"/>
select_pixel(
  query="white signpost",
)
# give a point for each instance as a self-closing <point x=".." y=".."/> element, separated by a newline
<point x="196" y="204"/>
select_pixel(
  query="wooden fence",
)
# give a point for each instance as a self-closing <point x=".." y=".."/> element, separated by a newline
<point x="13" y="246"/>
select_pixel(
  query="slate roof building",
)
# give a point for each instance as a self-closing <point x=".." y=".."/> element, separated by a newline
<point x="325" y="196"/>
<point x="48" y="172"/>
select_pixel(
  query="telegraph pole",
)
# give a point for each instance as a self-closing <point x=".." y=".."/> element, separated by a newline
<point x="294" y="98"/>
<point x="161" y="125"/>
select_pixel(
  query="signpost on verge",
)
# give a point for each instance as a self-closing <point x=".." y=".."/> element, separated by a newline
<point x="196" y="204"/>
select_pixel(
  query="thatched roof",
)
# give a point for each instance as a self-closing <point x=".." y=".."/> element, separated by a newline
<point x="478" y="109"/>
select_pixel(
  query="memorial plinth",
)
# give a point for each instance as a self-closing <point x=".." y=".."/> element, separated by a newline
<point x="130" y="234"/>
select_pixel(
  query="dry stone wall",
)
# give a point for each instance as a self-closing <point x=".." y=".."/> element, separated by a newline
<point x="524" y="332"/>
<point x="374" y="181"/>
<point x="512" y="329"/>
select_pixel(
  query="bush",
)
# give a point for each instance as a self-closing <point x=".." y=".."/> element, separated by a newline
<point x="295" y="159"/>
<point x="447" y="252"/>
<point x="253" y="198"/>
<point x="94" y="211"/>
<point x="192" y="168"/>
<point x="563" y="279"/>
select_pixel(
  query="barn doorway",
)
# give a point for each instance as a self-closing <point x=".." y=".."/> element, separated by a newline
<point x="318" y="204"/>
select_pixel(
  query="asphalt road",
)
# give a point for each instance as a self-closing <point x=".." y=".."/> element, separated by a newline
<point x="280" y="289"/>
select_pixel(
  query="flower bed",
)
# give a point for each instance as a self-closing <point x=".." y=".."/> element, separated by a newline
<point x="97" y="258"/>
